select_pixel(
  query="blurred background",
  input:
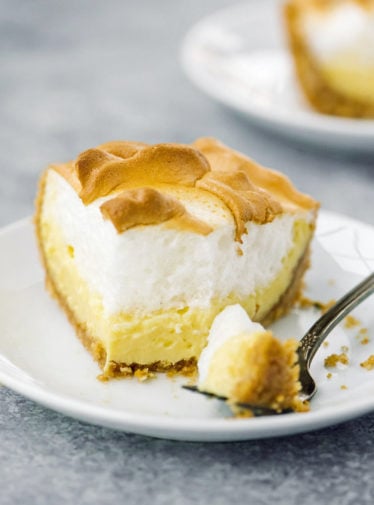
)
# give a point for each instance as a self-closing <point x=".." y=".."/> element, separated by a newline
<point x="77" y="74"/>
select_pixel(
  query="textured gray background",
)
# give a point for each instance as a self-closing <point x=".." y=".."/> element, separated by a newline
<point x="78" y="73"/>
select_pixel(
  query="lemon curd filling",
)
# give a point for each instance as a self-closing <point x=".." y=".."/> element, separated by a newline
<point x="351" y="78"/>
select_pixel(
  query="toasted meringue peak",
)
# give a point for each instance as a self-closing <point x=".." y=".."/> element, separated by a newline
<point x="249" y="191"/>
<point x="100" y="172"/>
<point x="122" y="149"/>
<point x="276" y="185"/>
<point x="144" y="206"/>
<point x="248" y="204"/>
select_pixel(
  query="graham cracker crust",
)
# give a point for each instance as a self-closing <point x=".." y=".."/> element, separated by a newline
<point x="293" y="293"/>
<point x="142" y="372"/>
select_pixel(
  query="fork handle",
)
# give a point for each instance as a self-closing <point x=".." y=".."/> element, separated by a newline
<point x="312" y="340"/>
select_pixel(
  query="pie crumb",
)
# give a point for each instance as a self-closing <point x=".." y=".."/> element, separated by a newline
<point x="143" y="374"/>
<point x="351" y="322"/>
<point x="305" y="302"/>
<point x="332" y="360"/>
<point x="369" y="363"/>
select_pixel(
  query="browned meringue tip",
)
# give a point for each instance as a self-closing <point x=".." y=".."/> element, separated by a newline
<point x="145" y="206"/>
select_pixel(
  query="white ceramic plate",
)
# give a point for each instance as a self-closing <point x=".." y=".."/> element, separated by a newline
<point x="239" y="57"/>
<point x="41" y="358"/>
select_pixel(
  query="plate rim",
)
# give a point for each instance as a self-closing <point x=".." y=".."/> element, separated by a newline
<point x="191" y="429"/>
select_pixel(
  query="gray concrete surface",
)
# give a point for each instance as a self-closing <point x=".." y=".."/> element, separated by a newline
<point x="78" y="73"/>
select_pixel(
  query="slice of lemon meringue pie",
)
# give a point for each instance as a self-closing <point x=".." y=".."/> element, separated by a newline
<point x="332" y="42"/>
<point x="143" y="245"/>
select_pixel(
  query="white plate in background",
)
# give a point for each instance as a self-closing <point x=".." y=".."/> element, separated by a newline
<point x="239" y="57"/>
<point x="42" y="359"/>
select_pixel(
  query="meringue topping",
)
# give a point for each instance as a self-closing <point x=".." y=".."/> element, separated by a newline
<point x="136" y="174"/>
<point x="273" y="183"/>
<point x="247" y="204"/>
<point x="143" y="206"/>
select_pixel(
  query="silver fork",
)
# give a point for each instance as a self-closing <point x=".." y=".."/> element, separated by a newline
<point x="311" y="342"/>
<point x="313" y="338"/>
